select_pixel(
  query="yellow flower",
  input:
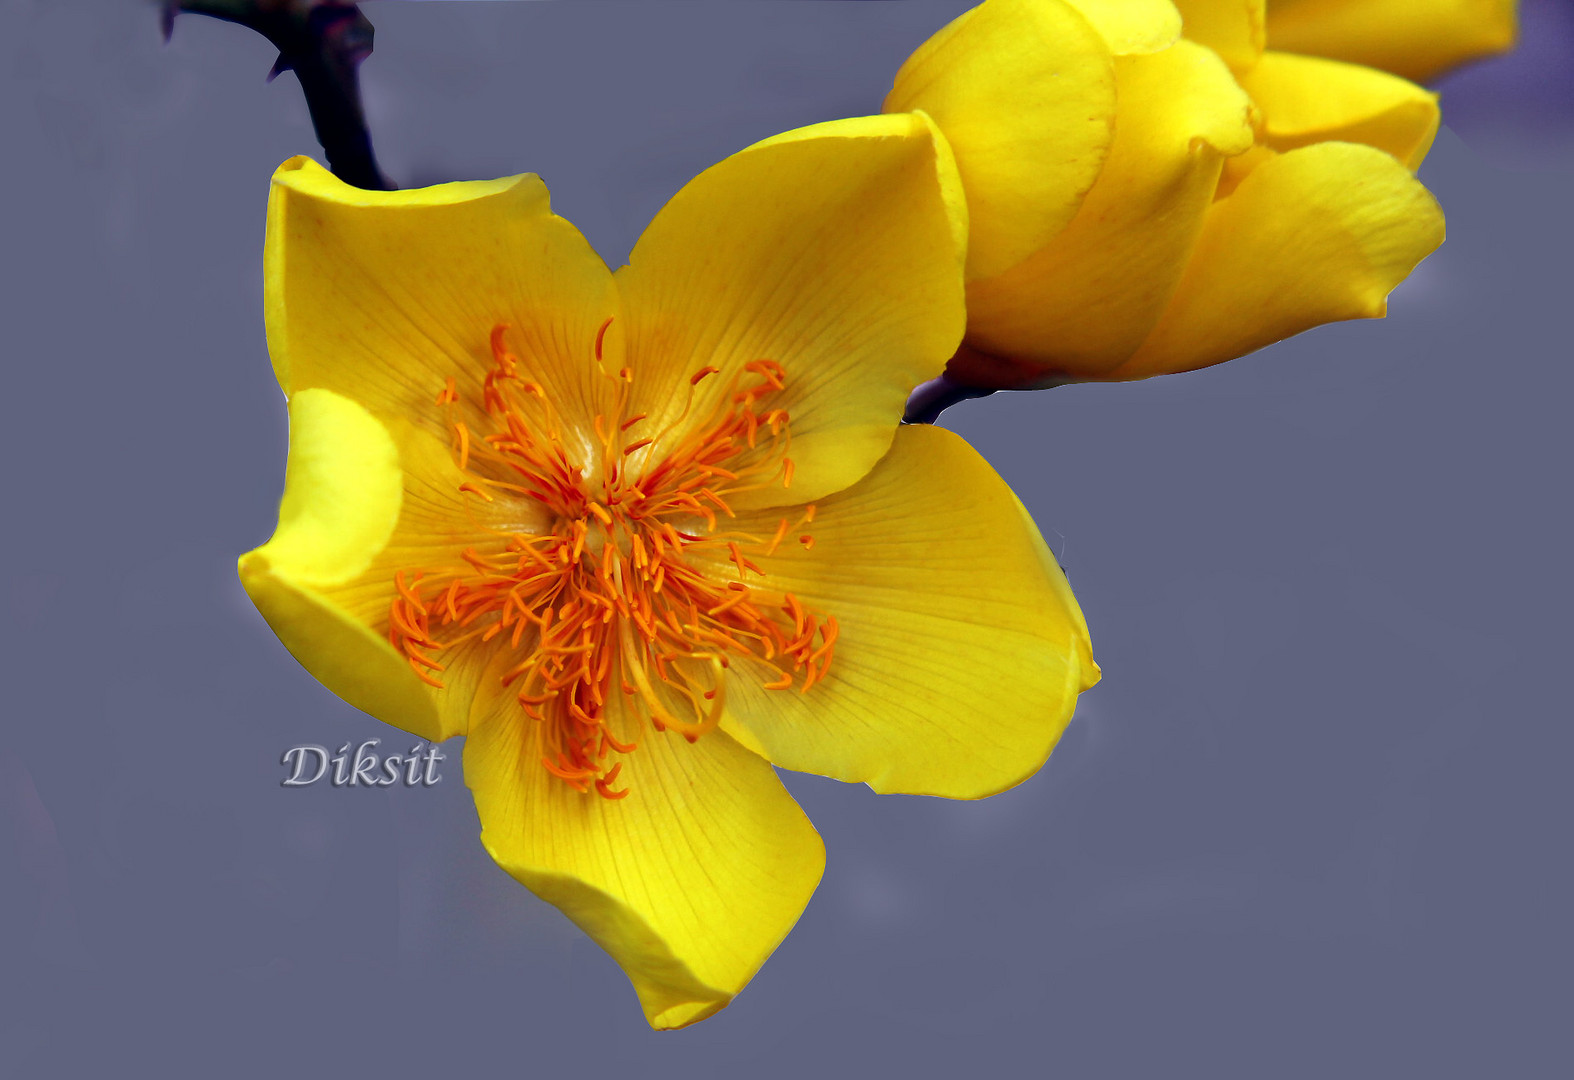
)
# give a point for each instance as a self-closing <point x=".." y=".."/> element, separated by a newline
<point x="1144" y="202"/>
<point x="641" y="535"/>
<point x="1418" y="39"/>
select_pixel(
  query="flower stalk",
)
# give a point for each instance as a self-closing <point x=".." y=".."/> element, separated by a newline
<point x="928" y="400"/>
<point x="323" y="42"/>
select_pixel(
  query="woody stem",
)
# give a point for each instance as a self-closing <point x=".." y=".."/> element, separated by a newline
<point x="323" y="42"/>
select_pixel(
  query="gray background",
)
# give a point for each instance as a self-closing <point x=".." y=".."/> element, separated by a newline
<point x="1312" y="823"/>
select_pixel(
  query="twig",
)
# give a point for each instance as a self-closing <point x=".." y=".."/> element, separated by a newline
<point x="323" y="42"/>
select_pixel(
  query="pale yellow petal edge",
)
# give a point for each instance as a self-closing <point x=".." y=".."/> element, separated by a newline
<point x="342" y="496"/>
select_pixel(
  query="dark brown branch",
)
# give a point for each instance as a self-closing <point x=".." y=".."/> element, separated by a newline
<point x="323" y="42"/>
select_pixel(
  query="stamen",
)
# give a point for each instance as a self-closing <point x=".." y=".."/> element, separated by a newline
<point x="776" y="541"/>
<point x="616" y="591"/>
<point x="601" y="335"/>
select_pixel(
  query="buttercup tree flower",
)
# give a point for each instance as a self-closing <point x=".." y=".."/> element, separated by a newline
<point x="1418" y="39"/>
<point x="1152" y="192"/>
<point x="639" y="535"/>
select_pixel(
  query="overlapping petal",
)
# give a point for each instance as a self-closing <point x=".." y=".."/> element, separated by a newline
<point x="342" y="499"/>
<point x="1416" y="39"/>
<point x="835" y="251"/>
<point x="1025" y="91"/>
<point x="342" y="490"/>
<point x="1235" y="29"/>
<point x="364" y="499"/>
<point x="1316" y="235"/>
<point x="1305" y="100"/>
<point x="1132" y="27"/>
<point x="1086" y="300"/>
<point x="939" y="582"/>
<point x="689" y="882"/>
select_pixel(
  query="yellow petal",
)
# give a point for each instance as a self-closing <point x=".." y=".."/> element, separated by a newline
<point x="960" y="651"/>
<point x="342" y="498"/>
<point x="1235" y="29"/>
<point x="383" y="295"/>
<point x="689" y="882"/>
<point x="1240" y="167"/>
<point x="363" y="500"/>
<point x="1024" y="91"/>
<point x="1132" y="27"/>
<point x="1417" y="39"/>
<point x="1316" y="235"/>
<point x="342" y="491"/>
<point x="1305" y="100"/>
<point x="834" y="250"/>
<point x="1084" y="302"/>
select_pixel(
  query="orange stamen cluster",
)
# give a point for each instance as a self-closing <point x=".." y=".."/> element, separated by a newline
<point x="635" y="587"/>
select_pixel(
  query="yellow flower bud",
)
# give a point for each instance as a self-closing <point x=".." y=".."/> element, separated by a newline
<point x="1151" y="192"/>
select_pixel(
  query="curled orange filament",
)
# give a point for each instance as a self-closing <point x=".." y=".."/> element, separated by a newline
<point x="636" y="586"/>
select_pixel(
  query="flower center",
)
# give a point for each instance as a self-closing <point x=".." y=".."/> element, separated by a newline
<point x="619" y="590"/>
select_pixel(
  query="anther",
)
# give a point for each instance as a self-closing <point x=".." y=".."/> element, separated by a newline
<point x="601" y="336"/>
<point x="638" y="597"/>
